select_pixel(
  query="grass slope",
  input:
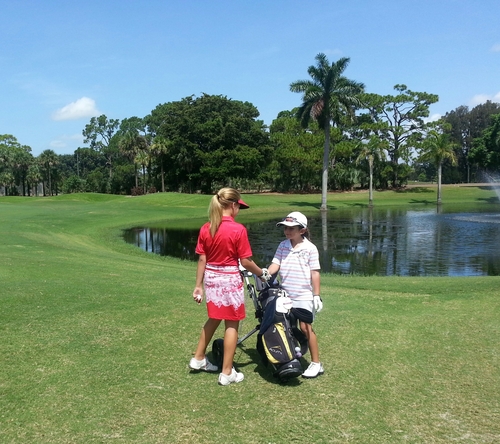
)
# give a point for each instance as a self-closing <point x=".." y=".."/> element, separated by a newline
<point x="96" y="336"/>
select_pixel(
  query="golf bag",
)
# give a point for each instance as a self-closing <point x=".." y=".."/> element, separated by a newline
<point x="279" y="342"/>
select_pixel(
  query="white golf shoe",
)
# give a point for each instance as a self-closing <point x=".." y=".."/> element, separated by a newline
<point x="315" y="369"/>
<point x="229" y="379"/>
<point x="204" y="365"/>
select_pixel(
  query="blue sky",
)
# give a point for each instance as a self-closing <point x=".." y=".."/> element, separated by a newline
<point x="62" y="62"/>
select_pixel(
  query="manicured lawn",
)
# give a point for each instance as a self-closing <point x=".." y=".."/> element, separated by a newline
<point x="96" y="337"/>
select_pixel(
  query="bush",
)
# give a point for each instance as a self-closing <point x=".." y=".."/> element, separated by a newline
<point x="74" y="184"/>
<point x="137" y="191"/>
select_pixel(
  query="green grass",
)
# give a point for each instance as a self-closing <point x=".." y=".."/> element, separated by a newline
<point x="96" y="337"/>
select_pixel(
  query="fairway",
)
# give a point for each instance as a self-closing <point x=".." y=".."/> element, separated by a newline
<point x="97" y="335"/>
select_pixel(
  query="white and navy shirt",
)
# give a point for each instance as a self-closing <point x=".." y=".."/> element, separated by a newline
<point x="296" y="265"/>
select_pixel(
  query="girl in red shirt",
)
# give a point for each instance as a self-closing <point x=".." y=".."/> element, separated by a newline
<point x="222" y="243"/>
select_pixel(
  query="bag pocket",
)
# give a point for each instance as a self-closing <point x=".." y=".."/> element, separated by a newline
<point x="277" y="344"/>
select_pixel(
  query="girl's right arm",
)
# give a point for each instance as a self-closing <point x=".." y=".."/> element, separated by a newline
<point x="273" y="268"/>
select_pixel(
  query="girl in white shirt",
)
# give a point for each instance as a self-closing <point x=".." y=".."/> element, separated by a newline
<point x="297" y="260"/>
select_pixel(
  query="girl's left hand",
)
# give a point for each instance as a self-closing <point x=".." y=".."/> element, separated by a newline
<point x="318" y="303"/>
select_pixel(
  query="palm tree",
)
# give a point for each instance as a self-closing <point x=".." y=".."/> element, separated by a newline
<point x="34" y="177"/>
<point x="142" y="158"/>
<point x="370" y="151"/>
<point x="160" y="148"/>
<point x="4" y="166"/>
<point x="328" y="97"/>
<point x="130" y="145"/>
<point x="22" y="159"/>
<point x="436" y="148"/>
<point x="7" y="180"/>
<point x="48" y="159"/>
<point x="4" y="157"/>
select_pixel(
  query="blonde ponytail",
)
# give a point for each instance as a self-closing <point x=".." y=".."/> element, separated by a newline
<point x="224" y="198"/>
<point x="214" y="214"/>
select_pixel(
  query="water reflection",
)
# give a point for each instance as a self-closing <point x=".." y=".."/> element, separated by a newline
<point x="372" y="241"/>
<point x="163" y="241"/>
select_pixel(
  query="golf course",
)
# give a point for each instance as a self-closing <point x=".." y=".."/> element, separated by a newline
<point x="97" y="335"/>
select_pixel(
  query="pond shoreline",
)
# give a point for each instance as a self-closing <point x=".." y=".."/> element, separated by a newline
<point x="362" y="241"/>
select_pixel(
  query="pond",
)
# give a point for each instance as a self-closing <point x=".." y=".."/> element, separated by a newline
<point x="363" y="241"/>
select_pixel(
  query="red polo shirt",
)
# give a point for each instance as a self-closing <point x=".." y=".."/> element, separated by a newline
<point x="229" y="244"/>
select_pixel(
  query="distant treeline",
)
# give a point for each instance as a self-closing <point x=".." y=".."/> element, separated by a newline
<point x="199" y="144"/>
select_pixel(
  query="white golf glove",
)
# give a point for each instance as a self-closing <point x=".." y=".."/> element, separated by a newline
<point x="317" y="303"/>
<point x="265" y="276"/>
<point x="283" y="304"/>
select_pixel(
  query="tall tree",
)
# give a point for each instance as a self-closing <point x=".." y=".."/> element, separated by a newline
<point x="132" y="140"/>
<point x="436" y="148"/>
<point x="159" y="150"/>
<point x="8" y="141"/>
<point x="99" y="134"/>
<point x="99" y="131"/>
<point x="7" y="144"/>
<point x="329" y="98"/>
<point x="142" y="159"/>
<point x="87" y="161"/>
<point x="399" y="119"/>
<point x="372" y="150"/>
<point x="15" y="160"/>
<point x="213" y="141"/>
<point x="34" y="177"/>
<point x="296" y="161"/>
<point x="467" y="125"/>
<point x="48" y="160"/>
<point x="7" y="181"/>
<point x="21" y="161"/>
<point x="486" y="149"/>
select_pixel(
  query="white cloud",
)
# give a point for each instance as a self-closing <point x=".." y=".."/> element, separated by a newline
<point x="432" y="118"/>
<point x="66" y="141"/>
<point x="496" y="47"/>
<point x="482" y="98"/>
<point x="84" y="107"/>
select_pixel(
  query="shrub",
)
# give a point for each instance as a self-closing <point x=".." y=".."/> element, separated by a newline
<point x="137" y="191"/>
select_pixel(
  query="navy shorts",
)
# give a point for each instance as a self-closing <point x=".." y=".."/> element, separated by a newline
<point x="303" y="315"/>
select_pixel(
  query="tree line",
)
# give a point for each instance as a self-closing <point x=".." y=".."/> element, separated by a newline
<point x="339" y="137"/>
